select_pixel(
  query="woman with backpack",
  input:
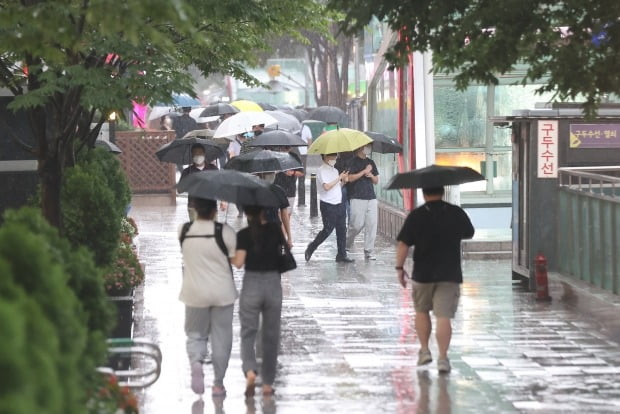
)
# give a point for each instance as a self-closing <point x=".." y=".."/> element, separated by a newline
<point x="208" y="292"/>
<point x="258" y="248"/>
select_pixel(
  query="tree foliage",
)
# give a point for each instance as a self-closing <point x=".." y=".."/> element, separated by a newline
<point x="72" y="62"/>
<point x="570" y="45"/>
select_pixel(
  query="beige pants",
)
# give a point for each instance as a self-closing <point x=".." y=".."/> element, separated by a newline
<point x="442" y="298"/>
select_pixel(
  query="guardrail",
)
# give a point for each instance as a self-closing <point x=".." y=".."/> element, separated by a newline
<point x="589" y="225"/>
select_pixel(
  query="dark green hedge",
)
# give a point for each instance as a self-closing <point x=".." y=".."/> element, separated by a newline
<point x="95" y="196"/>
<point x="54" y="318"/>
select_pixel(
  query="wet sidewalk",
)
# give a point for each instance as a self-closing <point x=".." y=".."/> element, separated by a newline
<point x="349" y="344"/>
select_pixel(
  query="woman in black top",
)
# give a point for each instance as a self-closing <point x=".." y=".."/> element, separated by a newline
<point x="258" y="247"/>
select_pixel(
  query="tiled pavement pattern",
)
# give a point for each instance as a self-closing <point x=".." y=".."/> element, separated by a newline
<point x="348" y="343"/>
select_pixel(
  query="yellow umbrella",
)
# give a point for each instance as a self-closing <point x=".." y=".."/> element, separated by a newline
<point x="339" y="140"/>
<point x="247" y="106"/>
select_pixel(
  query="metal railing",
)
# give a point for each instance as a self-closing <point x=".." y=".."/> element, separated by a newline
<point x="589" y="225"/>
<point x="601" y="182"/>
<point x="145" y="354"/>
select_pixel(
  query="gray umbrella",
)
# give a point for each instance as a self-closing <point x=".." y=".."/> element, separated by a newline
<point x="330" y="115"/>
<point x="217" y="109"/>
<point x="263" y="161"/>
<point x="285" y="121"/>
<point x="230" y="185"/>
<point x="434" y="176"/>
<point x="278" y="138"/>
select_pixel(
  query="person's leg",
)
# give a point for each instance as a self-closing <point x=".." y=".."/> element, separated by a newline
<point x="341" y="230"/>
<point x="196" y="330"/>
<point x="271" y="329"/>
<point x="443" y="334"/>
<point x="423" y="327"/>
<point x="423" y="302"/>
<point x="370" y="226"/>
<point x="221" y="341"/>
<point x="356" y="220"/>
<point x="328" y="227"/>
<point x="250" y="304"/>
<point x="445" y="304"/>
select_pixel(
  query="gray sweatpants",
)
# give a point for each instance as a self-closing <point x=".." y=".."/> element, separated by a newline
<point x="214" y="323"/>
<point x="261" y="294"/>
<point x="363" y="216"/>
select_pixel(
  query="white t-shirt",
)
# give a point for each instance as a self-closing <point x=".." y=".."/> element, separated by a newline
<point x="234" y="148"/>
<point x="327" y="174"/>
<point x="207" y="279"/>
<point x="306" y="134"/>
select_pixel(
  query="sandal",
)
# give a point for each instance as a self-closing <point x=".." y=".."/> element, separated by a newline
<point x="269" y="392"/>
<point x="250" y="379"/>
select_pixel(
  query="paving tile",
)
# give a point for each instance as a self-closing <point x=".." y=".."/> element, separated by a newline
<point x="349" y="343"/>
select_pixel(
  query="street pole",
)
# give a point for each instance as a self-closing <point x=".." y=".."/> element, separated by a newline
<point x="314" y="210"/>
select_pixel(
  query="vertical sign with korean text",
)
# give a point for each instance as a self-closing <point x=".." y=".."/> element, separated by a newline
<point x="547" y="149"/>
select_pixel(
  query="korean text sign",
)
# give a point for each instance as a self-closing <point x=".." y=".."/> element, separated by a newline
<point x="547" y="149"/>
<point x="594" y="135"/>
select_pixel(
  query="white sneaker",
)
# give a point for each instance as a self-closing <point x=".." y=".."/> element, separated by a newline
<point x="425" y="357"/>
<point x="443" y="365"/>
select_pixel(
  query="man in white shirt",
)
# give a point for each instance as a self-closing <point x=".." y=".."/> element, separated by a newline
<point x="330" y="183"/>
<point x="208" y="292"/>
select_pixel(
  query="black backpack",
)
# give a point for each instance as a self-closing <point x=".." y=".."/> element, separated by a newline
<point x="217" y="234"/>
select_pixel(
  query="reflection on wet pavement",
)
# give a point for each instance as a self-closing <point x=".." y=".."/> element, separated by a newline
<point x="349" y="345"/>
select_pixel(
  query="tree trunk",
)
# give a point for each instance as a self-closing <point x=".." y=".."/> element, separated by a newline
<point x="50" y="173"/>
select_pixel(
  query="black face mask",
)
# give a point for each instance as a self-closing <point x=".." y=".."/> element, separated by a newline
<point x="257" y="133"/>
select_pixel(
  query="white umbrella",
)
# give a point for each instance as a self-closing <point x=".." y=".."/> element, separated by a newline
<point x="159" y="111"/>
<point x="242" y="122"/>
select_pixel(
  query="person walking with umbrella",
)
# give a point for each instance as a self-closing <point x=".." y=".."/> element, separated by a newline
<point x="363" y="175"/>
<point x="182" y="125"/>
<point x="332" y="207"/>
<point x="198" y="164"/>
<point x="208" y="292"/>
<point x="258" y="249"/>
<point x="436" y="230"/>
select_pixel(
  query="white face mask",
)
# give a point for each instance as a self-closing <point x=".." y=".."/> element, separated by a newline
<point x="367" y="150"/>
<point x="331" y="162"/>
<point x="198" y="159"/>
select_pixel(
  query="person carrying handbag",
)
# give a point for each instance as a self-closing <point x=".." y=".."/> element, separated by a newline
<point x="260" y="249"/>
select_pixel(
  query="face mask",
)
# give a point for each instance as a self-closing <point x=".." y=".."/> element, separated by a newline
<point x="257" y="132"/>
<point x="198" y="159"/>
<point x="367" y="150"/>
<point x="249" y="134"/>
<point x="331" y="162"/>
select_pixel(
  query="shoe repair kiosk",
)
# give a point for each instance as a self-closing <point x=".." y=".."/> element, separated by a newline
<point x="559" y="155"/>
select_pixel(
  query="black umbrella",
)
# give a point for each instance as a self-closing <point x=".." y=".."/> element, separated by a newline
<point x="179" y="151"/>
<point x="383" y="144"/>
<point x="230" y="185"/>
<point x="218" y="109"/>
<point x="330" y="115"/>
<point x="434" y="176"/>
<point x="263" y="161"/>
<point x="277" y="138"/>
<point x="113" y="148"/>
